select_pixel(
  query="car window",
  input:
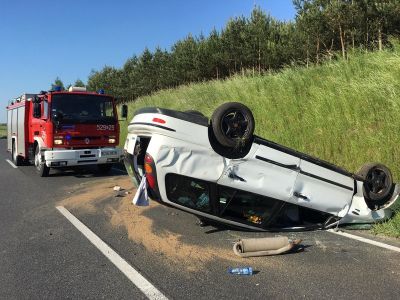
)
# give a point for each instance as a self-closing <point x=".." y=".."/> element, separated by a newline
<point x="188" y="192"/>
<point x="245" y="207"/>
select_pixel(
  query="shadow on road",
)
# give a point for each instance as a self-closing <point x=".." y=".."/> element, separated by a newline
<point x="86" y="172"/>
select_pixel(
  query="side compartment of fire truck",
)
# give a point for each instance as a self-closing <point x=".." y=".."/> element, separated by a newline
<point x="16" y="128"/>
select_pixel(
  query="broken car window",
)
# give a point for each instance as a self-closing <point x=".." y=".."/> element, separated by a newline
<point x="245" y="207"/>
<point x="188" y="192"/>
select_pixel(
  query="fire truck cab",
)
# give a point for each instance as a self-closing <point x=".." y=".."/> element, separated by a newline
<point x="63" y="129"/>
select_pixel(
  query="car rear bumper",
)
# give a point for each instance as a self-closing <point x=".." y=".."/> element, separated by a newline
<point x="78" y="157"/>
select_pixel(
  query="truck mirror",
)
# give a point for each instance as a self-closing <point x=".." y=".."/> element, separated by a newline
<point x="124" y="111"/>
<point x="37" y="112"/>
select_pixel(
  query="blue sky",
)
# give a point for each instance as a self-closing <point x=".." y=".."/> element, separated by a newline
<point x="43" y="39"/>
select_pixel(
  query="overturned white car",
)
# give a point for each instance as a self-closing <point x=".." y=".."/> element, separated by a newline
<point x="220" y="171"/>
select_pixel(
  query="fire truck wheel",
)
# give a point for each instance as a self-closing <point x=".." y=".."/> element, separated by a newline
<point x="40" y="166"/>
<point x="17" y="160"/>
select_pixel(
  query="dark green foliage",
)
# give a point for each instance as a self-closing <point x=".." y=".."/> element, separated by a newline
<point x="323" y="29"/>
<point x="3" y="130"/>
<point x="57" y="83"/>
<point x="79" y="83"/>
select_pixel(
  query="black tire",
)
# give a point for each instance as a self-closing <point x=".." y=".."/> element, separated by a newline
<point x="194" y="112"/>
<point x="17" y="160"/>
<point x="378" y="183"/>
<point x="40" y="165"/>
<point x="228" y="152"/>
<point x="233" y="125"/>
<point x="104" y="168"/>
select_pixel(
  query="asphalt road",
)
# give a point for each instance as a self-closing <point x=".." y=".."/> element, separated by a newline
<point x="43" y="256"/>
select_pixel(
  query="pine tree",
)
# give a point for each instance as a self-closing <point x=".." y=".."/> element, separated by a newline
<point x="57" y="83"/>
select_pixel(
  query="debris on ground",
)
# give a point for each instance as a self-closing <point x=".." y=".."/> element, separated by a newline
<point x="117" y="188"/>
<point x="241" y="271"/>
<point x="264" y="246"/>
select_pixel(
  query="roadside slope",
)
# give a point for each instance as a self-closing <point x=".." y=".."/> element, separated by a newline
<point x="3" y="131"/>
<point x="343" y="112"/>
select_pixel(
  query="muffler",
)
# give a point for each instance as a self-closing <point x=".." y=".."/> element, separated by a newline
<point x="264" y="246"/>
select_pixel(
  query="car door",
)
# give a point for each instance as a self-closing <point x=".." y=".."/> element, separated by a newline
<point x="265" y="171"/>
<point x="322" y="189"/>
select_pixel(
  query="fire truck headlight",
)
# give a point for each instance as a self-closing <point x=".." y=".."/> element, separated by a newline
<point x="58" y="141"/>
<point x="111" y="140"/>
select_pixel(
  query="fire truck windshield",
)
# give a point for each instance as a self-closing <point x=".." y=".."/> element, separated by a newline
<point x="76" y="108"/>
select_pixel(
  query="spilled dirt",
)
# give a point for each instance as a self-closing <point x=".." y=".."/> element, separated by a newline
<point x="93" y="198"/>
<point x="86" y="196"/>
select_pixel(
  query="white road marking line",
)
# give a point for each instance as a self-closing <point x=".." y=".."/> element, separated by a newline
<point x="11" y="163"/>
<point x="138" y="280"/>
<point x="368" y="241"/>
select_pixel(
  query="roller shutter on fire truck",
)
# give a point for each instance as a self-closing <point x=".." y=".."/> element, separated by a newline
<point x="16" y="126"/>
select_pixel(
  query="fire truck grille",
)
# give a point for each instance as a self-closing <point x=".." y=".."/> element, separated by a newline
<point x="87" y="155"/>
<point x="82" y="138"/>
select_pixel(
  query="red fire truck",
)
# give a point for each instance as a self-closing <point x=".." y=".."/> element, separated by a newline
<point x="64" y="128"/>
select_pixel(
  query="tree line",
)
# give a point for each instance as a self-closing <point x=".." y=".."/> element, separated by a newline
<point x="322" y="29"/>
<point x="59" y="84"/>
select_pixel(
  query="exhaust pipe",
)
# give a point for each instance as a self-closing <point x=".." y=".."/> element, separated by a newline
<point x="264" y="246"/>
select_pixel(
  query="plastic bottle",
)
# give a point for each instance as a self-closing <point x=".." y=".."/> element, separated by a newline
<point x="241" y="271"/>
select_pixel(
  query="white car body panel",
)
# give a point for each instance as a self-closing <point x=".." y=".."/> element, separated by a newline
<point x="186" y="131"/>
<point x="186" y="160"/>
<point x="261" y="177"/>
<point x="321" y="194"/>
<point x="359" y="212"/>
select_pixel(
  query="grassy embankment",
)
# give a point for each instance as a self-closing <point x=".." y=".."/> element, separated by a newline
<point x="343" y="112"/>
<point x="3" y="130"/>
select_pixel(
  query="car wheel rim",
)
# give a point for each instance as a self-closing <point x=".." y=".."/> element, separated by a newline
<point x="234" y="124"/>
<point x="377" y="181"/>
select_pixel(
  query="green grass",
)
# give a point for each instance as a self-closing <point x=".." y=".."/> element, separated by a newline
<point x="390" y="227"/>
<point x="3" y="130"/>
<point x="345" y="112"/>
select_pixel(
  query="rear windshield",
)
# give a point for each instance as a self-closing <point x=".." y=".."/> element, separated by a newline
<point x="82" y="109"/>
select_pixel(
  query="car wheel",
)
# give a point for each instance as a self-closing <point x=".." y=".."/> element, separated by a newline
<point x="40" y="165"/>
<point x="233" y="125"/>
<point x="378" y="183"/>
<point x="194" y="112"/>
<point x="104" y="168"/>
<point x="17" y="160"/>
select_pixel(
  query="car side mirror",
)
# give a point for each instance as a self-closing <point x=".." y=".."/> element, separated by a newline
<point x="37" y="112"/>
<point x="124" y="111"/>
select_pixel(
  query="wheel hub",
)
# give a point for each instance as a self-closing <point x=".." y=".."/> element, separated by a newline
<point x="376" y="181"/>
<point x="234" y="124"/>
